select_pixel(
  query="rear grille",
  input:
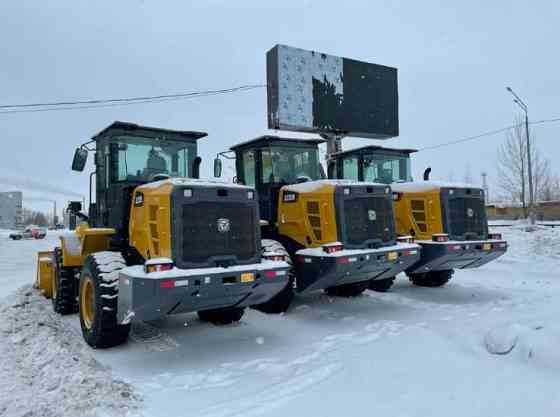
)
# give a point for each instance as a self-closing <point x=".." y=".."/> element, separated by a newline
<point x="368" y="218"/>
<point x="467" y="216"/>
<point x="215" y="230"/>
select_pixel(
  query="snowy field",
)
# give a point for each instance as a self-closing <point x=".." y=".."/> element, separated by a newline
<point x="410" y="352"/>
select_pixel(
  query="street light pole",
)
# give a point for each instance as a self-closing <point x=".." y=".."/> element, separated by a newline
<point x="523" y="107"/>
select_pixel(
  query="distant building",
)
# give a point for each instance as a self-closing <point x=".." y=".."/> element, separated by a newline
<point x="11" y="212"/>
<point x="545" y="210"/>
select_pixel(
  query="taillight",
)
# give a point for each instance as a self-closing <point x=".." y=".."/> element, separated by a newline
<point x="452" y="248"/>
<point x="333" y="247"/>
<point x="405" y="239"/>
<point x="495" y="236"/>
<point x="270" y="274"/>
<point x="155" y="266"/>
<point x="409" y="252"/>
<point x="274" y="257"/>
<point x="440" y="237"/>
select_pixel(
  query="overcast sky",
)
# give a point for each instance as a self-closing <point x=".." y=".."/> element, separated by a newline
<point x="454" y="61"/>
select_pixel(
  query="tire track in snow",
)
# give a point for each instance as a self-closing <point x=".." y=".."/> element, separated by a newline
<point x="273" y="396"/>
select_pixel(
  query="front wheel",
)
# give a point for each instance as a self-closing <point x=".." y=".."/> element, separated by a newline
<point x="98" y="300"/>
<point x="63" y="287"/>
<point x="432" y="278"/>
<point x="381" y="285"/>
<point x="222" y="316"/>
<point x="348" y="290"/>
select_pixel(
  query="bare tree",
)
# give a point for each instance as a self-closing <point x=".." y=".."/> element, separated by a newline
<point x="551" y="189"/>
<point x="513" y="175"/>
<point x="512" y="169"/>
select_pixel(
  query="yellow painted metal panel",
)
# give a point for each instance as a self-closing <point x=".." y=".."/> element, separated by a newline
<point x="45" y="270"/>
<point x="295" y="221"/>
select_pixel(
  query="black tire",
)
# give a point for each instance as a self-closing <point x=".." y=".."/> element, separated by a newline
<point x="432" y="278"/>
<point x="348" y="290"/>
<point x="63" y="287"/>
<point x="100" y="270"/>
<point x="281" y="301"/>
<point x="381" y="285"/>
<point x="222" y="316"/>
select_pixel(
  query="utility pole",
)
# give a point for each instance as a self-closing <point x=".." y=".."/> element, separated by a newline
<point x="485" y="188"/>
<point x="523" y="107"/>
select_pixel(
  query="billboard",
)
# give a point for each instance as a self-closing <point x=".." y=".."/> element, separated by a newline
<point x="313" y="92"/>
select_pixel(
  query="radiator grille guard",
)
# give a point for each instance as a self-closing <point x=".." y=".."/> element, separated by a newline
<point x="211" y="230"/>
<point x="365" y="217"/>
<point x="464" y="213"/>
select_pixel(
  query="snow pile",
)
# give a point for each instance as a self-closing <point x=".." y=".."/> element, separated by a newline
<point x="47" y="369"/>
<point x="313" y="186"/>
<point x="503" y="339"/>
<point x="424" y="186"/>
<point x="536" y="344"/>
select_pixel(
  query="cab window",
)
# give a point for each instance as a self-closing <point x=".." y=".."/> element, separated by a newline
<point x="289" y="165"/>
<point x="140" y="159"/>
<point x="350" y="169"/>
<point x="386" y="169"/>
<point x="249" y="168"/>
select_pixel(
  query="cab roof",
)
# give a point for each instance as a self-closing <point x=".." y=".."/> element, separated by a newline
<point x="267" y="140"/>
<point x="124" y="127"/>
<point x="374" y="148"/>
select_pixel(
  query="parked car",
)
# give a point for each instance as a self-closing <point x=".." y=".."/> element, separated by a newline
<point x="30" y="232"/>
<point x="16" y="235"/>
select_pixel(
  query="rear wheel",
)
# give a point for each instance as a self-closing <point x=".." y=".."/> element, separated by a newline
<point x="381" y="285"/>
<point x="348" y="290"/>
<point x="432" y="278"/>
<point x="99" y="299"/>
<point x="222" y="316"/>
<point x="281" y="301"/>
<point x="63" y="285"/>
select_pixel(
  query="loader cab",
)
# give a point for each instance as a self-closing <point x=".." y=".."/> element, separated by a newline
<point x="372" y="164"/>
<point x="129" y="155"/>
<point x="270" y="162"/>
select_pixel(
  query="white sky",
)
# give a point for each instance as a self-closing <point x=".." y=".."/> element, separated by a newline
<point x="454" y="60"/>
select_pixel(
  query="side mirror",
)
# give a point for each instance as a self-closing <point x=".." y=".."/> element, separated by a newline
<point x="74" y="207"/>
<point x="80" y="159"/>
<point x="217" y="167"/>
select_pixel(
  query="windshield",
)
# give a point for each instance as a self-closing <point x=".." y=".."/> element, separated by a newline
<point x="139" y="158"/>
<point x="387" y="168"/>
<point x="290" y="165"/>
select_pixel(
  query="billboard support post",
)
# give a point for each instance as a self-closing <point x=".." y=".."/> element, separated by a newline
<point x="334" y="143"/>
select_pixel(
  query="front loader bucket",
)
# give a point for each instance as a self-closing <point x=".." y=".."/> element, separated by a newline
<point x="45" y="273"/>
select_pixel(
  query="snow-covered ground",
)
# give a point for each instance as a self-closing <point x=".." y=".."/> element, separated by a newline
<point x="410" y="352"/>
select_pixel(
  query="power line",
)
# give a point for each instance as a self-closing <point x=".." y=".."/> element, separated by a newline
<point x="112" y="102"/>
<point x="485" y="134"/>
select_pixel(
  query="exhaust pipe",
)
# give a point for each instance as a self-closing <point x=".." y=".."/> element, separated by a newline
<point x="331" y="165"/>
<point x="427" y="174"/>
<point x="196" y="167"/>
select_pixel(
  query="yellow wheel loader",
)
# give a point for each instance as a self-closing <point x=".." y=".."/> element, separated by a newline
<point x="157" y="240"/>
<point x="448" y="220"/>
<point x="339" y="235"/>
